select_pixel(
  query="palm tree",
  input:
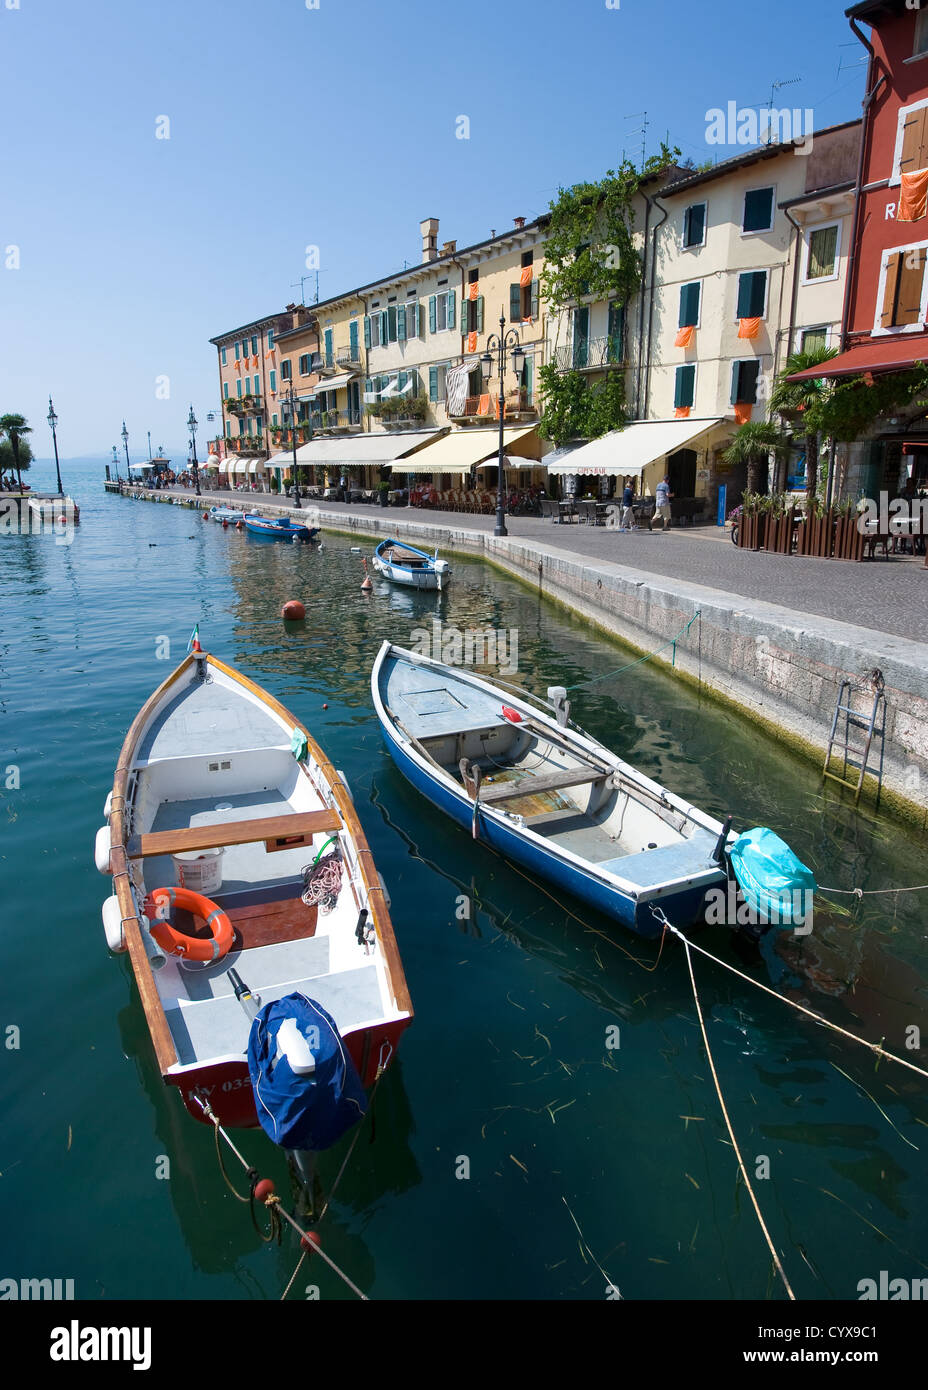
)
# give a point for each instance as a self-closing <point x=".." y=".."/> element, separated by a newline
<point x="13" y="427"/>
<point x="799" y="398"/>
<point x="753" y="444"/>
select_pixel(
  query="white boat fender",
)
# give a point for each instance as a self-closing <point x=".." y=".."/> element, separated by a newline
<point x="107" y="805"/>
<point x="294" y="1046"/>
<point x="101" y="850"/>
<point x="112" y="925"/>
<point x="344" y="781"/>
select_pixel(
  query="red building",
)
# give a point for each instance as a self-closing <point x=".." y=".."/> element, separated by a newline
<point x="886" y="295"/>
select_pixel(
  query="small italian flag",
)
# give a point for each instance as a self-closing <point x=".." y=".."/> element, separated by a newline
<point x="194" y="644"/>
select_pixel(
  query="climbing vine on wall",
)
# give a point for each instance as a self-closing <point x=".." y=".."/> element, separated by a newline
<point x="575" y="408"/>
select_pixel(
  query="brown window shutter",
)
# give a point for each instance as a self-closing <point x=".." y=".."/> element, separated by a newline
<point x="888" y="314"/>
<point x="914" y="144"/>
<point x="911" y="279"/>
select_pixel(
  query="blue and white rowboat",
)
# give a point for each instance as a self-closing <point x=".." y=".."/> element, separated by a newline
<point x="225" y="514"/>
<point x="404" y="564"/>
<point x="279" y="528"/>
<point x="546" y="796"/>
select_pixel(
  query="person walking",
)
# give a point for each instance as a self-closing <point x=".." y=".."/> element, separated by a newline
<point x="662" y="496"/>
<point x="628" y="514"/>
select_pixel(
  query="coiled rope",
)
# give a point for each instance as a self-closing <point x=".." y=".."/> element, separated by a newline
<point x="322" y="880"/>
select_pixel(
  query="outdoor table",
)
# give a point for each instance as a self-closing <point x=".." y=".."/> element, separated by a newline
<point x="568" y="510"/>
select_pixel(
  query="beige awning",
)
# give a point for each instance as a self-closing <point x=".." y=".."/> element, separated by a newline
<point x="626" y="453"/>
<point x="332" y="383"/>
<point x="359" y="450"/>
<point x="462" y="449"/>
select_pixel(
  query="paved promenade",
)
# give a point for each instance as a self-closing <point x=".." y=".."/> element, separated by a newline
<point x="889" y="596"/>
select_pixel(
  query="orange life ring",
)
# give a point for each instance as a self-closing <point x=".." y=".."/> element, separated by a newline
<point x="162" y="901"/>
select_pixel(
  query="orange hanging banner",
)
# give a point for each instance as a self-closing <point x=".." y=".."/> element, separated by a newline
<point x="743" y="413"/>
<point x="472" y="342"/>
<point x="473" y="290"/>
<point x="748" y="328"/>
<point x="913" y="197"/>
<point x="682" y="412"/>
<point x="525" y="278"/>
<point x="685" y="336"/>
<point x="483" y="405"/>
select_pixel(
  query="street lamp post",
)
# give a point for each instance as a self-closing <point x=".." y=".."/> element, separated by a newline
<point x="291" y="403"/>
<point x="125" y="445"/>
<point x="53" y="421"/>
<point x="192" y="427"/>
<point x="116" y="463"/>
<point x="502" y="342"/>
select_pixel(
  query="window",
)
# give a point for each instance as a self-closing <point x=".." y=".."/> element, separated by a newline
<point x="903" y="284"/>
<point x="694" y="225"/>
<point x="274" y="420"/>
<point x="527" y="380"/>
<point x="523" y="299"/>
<point x="305" y="364"/>
<point x="353" y="341"/>
<point x="254" y="345"/>
<point x="329" y="350"/>
<point x="822" y="260"/>
<point x="223" y="355"/>
<point x="238" y="388"/>
<point x="758" y="210"/>
<point x="238" y="351"/>
<point x="270" y="338"/>
<point x="441" y="311"/>
<point x="689" y="305"/>
<point x="911" y="152"/>
<point x="752" y="295"/>
<point x="286" y="370"/>
<point x="371" y="330"/>
<point x="921" y="34"/>
<point x="685" y="386"/>
<point x="615" y="345"/>
<point x="813" y="340"/>
<point x="225" y="390"/>
<point x="472" y="315"/>
<point x="581" y="337"/>
<point x="437" y="382"/>
<point x="744" y="376"/>
<point x="273" y="376"/>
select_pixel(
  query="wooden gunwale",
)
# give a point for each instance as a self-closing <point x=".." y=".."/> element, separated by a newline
<point x="376" y="899"/>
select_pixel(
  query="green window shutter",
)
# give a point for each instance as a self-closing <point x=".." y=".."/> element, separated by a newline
<point x="273" y="379"/>
<point x="353" y="339"/>
<point x="274" y="420"/>
<point x="536" y="297"/>
<point x="451" y="305"/>
<point x="480" y="313"/>
<point x="433" y="383"/>
<point x="401" y="381"/>
<point x="223" y="357"/>
<point x="529" y="380"/>
<point x="401" y="324"/>
<point x="383" y="328"/>
<point x="684" y="387"/>
<point x="414" y="326"/>
<point x="433" y="313"/>
<point x="689" y="305"/>
<point x="238" y="388"/>
<point x="270" y="338"/>
<point x="758" y="210"/>
<point x="515" y="303"/>
<point x="367" y="330"/>
<point x="737" y="394"/>
<point x="225" y="390"/>
<point x="752" y="288"/>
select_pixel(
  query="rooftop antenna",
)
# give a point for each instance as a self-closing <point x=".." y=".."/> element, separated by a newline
<point x="302" y="282"/>
<point x="843" y="66"/>
<point x="767" y="137"/>
<point x="642" y="131"/>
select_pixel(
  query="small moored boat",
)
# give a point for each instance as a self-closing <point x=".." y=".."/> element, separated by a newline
<point x="241" y="874"/>
<point x="278" y="528"/>
<point x="550" y="798"/>
<point x="225" y="514"/>
<point x="404" y="564"/>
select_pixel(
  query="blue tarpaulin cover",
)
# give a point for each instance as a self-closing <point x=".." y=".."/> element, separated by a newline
<point x="776" y="884"/>
<point x="303" y="1111"/>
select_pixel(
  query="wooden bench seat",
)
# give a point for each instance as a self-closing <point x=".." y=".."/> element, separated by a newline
<point x="277" y="832"/>
<point x="492" y="793"/>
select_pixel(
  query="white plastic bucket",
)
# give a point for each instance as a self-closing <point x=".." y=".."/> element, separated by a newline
<point x="199" y="870"/>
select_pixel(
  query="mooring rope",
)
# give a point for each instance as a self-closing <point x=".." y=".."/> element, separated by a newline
<point x="276" y="1212"/>
<point x="872" y="892"/>
<point x="647" y="656"/>
<point x="718" y="1089"/>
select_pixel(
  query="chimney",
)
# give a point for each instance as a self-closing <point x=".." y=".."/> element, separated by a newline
<point x="449" y="248"/>
<point x="520" y="222"/>
<point x="429" y="230"/>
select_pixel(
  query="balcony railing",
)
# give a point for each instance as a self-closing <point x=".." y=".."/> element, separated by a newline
<point x="590" y="355"/>
<point x="349" y="356"/>
<point x="517" y="403"/>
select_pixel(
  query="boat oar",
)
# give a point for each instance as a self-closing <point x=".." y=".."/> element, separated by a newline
<point x="478" y="774"/>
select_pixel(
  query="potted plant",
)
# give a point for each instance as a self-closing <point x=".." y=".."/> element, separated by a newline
<point x="383" y="489"/>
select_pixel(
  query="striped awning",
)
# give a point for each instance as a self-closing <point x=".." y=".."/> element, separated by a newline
<point x="626" y="453"/>
<point x="462" y="449"/>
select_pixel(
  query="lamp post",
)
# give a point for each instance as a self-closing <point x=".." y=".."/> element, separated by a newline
<point x="116" y="463"/>
<point x="502" y="342"/>
<point x="125" y="445"/>
<point x="192" y="427"/>
<point x="53" y="421"/>
<point x="291" y="403"/>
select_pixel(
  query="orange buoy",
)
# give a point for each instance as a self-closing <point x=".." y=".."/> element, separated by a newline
<point x="366" y="586"/>
<point x="225" y="525"/>
<point x="206" y="516"/>
<point x="240" y="526"/>
<point x="293" y="610"/>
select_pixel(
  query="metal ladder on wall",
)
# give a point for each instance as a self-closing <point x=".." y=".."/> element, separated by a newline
<point x="873" y="724"/>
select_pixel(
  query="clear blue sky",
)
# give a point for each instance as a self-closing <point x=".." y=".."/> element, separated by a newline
<point x="334" y="127"/>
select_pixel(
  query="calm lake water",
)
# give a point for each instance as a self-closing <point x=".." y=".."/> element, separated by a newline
<point x="507" y="1063"/>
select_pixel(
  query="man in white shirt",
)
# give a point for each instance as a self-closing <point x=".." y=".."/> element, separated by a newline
<point x="662" y="496"/>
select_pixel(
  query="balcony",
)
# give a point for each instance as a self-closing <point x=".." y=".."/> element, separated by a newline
<point x="517" y="405"/>
<point x="348" y="356"/>
<point x="590" y="355"/>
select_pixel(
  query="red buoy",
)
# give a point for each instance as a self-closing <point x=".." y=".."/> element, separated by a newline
<point x="240" y="526"/>
<point x="293" y="610"/>
<point x="206" y="516"/>
<point x="310" y="1240"/>
<point x="225" y="525"/>
<point x="325" y="707"/>
<point x="264" y="1188"/>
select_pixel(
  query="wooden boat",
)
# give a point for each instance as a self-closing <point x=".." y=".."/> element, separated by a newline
<point x="545" y="795"/>
<point x="404" y="564"/>
<point x="212" y="762"/>
<point x="278" y="528"/>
